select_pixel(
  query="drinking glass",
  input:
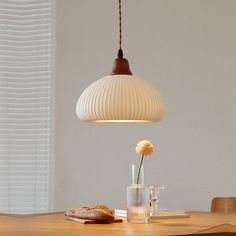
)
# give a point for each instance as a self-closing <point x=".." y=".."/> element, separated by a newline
<point x="154" y="193"/>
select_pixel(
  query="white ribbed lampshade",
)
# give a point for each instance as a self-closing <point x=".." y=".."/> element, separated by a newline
<point x="120" y="98"/>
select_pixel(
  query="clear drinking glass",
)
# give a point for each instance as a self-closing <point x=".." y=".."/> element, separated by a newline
<point x="138" y="198"/>
<point x="154" y="193"/>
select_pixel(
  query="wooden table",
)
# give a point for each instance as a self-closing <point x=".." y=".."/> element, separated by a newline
<point x="56" y="224"/>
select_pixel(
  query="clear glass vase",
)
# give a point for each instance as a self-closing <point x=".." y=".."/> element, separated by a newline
<point x="138" y="198"/>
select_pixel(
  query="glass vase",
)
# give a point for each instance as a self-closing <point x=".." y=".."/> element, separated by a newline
<point x="138" y="198"/>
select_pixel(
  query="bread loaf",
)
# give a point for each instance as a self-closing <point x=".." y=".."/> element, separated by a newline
<point x="99" y="213"/>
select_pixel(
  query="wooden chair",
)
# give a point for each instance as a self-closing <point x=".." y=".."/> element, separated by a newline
<point x="223" y="205"/>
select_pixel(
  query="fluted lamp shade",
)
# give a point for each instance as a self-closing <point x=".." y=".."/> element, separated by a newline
<point x="120" y="98"/>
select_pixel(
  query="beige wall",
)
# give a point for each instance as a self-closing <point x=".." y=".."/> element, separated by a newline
<point x="185" y="48"/>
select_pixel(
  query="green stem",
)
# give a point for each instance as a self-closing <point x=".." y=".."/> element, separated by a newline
<point x="138" y="177"/>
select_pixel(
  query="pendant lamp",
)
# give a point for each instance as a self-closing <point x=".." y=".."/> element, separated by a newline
<point x="120" y="96"/>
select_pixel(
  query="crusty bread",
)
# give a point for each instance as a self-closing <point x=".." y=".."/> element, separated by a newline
<point x="99" y="213"/>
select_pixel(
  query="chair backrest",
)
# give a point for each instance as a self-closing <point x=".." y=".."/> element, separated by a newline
<point x="223" y="204"/>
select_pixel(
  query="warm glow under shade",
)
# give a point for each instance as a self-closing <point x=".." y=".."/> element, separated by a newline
<point x="120" y="98"/>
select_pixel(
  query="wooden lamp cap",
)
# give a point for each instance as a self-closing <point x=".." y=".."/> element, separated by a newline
<point x="121" y="67"/>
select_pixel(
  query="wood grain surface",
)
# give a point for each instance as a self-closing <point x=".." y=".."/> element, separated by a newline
<point x="223" y="205"/>
<point x="56" y="224"/>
